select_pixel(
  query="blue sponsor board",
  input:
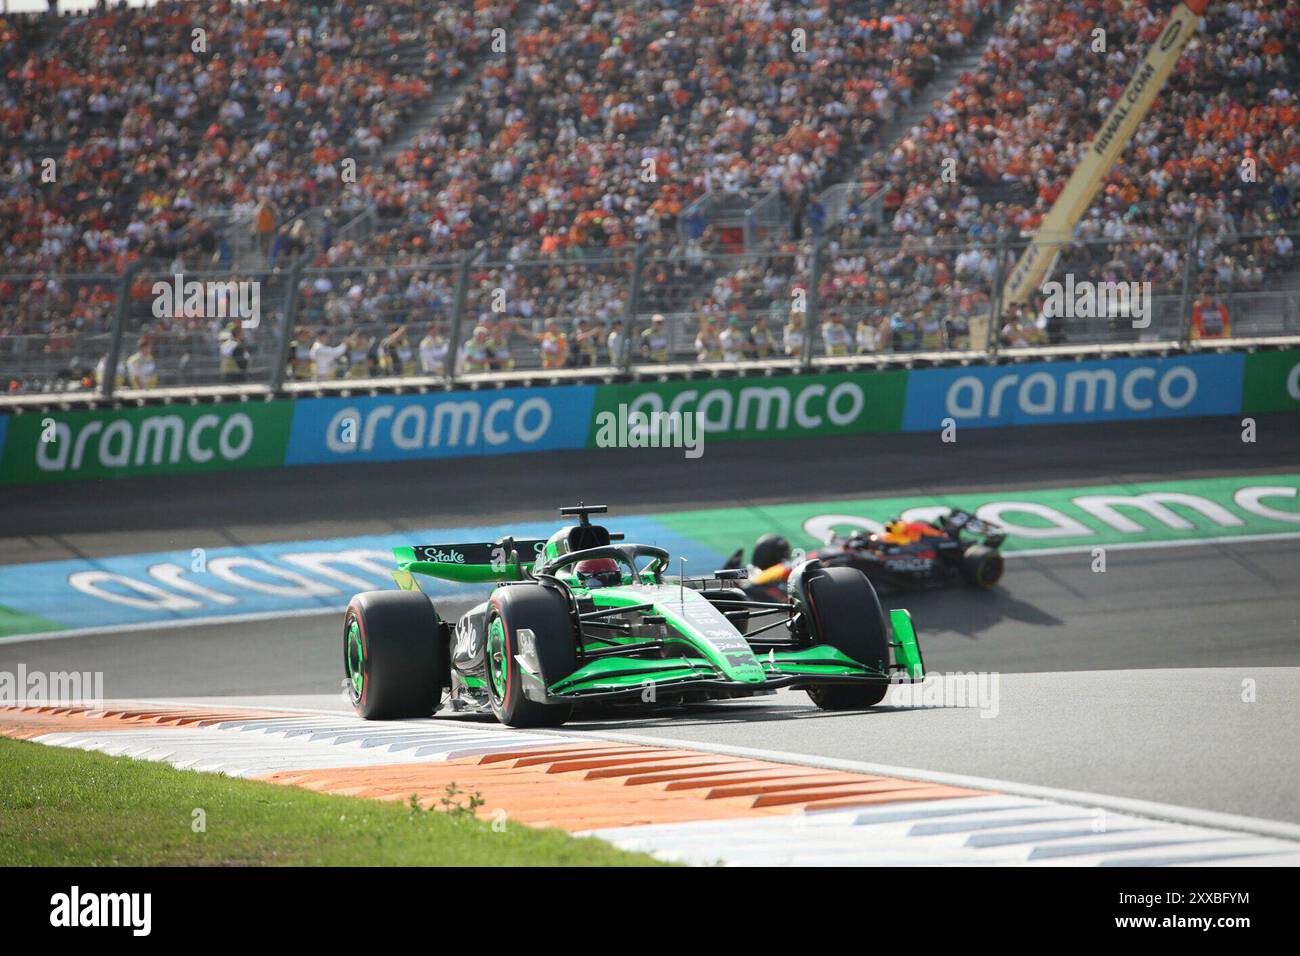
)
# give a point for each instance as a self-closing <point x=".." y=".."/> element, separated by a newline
<point x="284" y="578"/>
<point x="1071" y="392"/>
<point x="441" y="425"/>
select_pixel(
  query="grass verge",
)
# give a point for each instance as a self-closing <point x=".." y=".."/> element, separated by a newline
<point x="61" y="807"/>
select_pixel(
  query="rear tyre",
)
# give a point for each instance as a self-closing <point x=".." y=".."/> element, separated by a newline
<point x="545" y="612"/>
<point x="982" y="566"/>
<point x="394" y="658"/>
<point x="846" y="614"/>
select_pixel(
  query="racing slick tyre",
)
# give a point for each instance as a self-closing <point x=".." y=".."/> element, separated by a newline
<point x="394" y="657"/>
<point x="770" y="550"/>
<point x="981" y="566"/>
<point x="545" y="612"/>
<point x="847" y="615"/>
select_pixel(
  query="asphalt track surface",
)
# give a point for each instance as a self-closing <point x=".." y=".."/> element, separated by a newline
<point x="1151" y="732"/>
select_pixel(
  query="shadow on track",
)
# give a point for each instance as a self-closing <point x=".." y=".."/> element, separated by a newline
<point x="967" y="612"/>
<point x="711" y="713"/>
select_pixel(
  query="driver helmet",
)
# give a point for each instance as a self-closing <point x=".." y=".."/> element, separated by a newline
<point x="771" y="550"/>
<point x="598" y="573"/>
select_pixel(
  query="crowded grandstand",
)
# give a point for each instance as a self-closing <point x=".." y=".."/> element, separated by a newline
<point x="481" y="187"/>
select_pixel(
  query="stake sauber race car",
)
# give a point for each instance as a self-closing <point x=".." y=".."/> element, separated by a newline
<point x="582" y="619"/>
<point x="908" y="556"/>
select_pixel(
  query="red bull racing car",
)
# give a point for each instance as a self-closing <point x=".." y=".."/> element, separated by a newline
<point x="906" y="556"/>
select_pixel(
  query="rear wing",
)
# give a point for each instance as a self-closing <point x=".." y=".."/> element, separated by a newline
<point x="963" y="521"/>
<point x="470" y="563"/>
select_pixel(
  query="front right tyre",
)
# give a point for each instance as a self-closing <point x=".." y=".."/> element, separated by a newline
<point x="846" y="614"/>
<point x="551" y="649"/>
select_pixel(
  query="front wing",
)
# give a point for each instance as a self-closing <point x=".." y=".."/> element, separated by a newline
<point x="614" y="678"/>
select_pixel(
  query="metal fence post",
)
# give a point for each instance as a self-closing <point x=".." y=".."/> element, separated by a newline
<point x="992" y="335"/>
<point x="632" y="307"/>
<point x="1190" y="253"/>
<point x="458" y="315"/>
<point x="119" y="326"/>
<point x="813" y="314"/>
<point x="280" y="368"/>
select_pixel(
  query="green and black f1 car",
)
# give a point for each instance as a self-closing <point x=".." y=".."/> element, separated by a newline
<point x="582" y="618"/>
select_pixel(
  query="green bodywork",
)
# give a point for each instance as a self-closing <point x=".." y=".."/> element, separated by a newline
<point x="712" y="648"/>
<point x="906" y="650"/>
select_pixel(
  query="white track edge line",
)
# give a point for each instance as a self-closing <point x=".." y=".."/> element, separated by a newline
<point x="169" y="624"/>
<point x="1152" y="545"/>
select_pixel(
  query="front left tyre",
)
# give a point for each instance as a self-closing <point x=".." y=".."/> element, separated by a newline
<point x="394" y="657"/>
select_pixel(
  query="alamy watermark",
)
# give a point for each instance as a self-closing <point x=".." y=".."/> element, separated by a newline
<point x="1085" y="299"/>
<point x="977" y="690"/>
<point x="70" y="688"/>
<point x="233" y="299"/>
<point x="73" y="909"/>
<point x="628" y="429"/>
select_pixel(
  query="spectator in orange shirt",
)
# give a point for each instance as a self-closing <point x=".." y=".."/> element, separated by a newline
<point x="1210" y="318"/>
<point x="264" y="225"/>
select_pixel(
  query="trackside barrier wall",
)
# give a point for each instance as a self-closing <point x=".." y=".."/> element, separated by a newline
<point x="760" y="408"/>
<point x="154" y="440"/>
<point x="439" y="425"/>
<point x="1070" y="392"/>
<point x="178" y="439"/>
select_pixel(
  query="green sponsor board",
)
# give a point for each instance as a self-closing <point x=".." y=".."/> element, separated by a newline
<point x="18" y="622"/>
<point x="1272" y="382"/>
<point x="167" y="439"/>
<point x="754" y="408"/>
<point x="1064" y="518"/>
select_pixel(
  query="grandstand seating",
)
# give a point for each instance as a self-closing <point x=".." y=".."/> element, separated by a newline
<point x="597" y="133"/>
